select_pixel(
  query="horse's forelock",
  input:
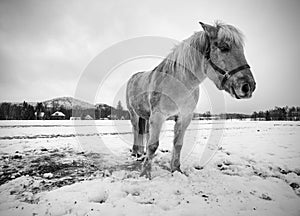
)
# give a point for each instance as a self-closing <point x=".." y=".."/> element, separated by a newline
<point x="230" y="34"/>
<point x="189" y="52"/>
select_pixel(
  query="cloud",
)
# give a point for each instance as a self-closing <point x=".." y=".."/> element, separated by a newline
<point x="45" y="45"/>
<point x="52" y="42"/>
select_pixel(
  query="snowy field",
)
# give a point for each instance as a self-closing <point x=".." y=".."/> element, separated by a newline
<point x="85" y="168"/>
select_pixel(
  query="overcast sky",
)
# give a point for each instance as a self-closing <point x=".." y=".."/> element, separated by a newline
<point x="46" y="45"/>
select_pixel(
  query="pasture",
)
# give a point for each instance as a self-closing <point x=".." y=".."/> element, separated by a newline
<point x="85" y="168"/>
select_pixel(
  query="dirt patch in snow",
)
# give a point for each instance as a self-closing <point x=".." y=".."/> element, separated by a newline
<point x="52" y="168"/>
<point x="46" y="169"/>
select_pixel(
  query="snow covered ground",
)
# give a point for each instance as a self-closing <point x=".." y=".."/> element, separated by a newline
<point x="85" y="168"/>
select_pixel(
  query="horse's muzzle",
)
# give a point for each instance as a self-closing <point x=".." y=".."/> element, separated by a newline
<point x="244" y="90"/>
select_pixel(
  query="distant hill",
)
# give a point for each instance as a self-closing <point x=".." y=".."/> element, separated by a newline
<point x="68" y="103"/>
<point x="69" y="106"/>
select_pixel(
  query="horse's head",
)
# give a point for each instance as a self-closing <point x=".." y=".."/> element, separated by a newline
<point x="228" y="67"/>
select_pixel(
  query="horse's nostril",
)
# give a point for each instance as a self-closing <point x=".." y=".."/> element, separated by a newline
<point x="246" y="88"/>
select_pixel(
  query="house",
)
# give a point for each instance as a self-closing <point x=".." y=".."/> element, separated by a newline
<point x="58" y="116"/>
<point x="75" y="118"/>
<point x="88" y="117"/>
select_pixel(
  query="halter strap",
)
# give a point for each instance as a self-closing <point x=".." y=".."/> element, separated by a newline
<point x="232" y="72"/>
<point x="226" y="74"/>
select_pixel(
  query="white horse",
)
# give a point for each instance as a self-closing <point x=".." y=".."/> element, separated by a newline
<point x="172" y="88"/>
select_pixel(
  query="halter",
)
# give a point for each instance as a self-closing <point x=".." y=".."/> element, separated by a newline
<point x="226" y="74"/>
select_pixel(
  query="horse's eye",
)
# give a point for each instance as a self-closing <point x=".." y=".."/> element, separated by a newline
<point x="224" y="47"/>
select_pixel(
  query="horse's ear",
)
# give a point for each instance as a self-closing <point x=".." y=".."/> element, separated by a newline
<point x="210" y="30"/>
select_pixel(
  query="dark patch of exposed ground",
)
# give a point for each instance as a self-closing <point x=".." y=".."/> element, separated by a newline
<point x="49" y="169"/>
<point x="52" y="168"/>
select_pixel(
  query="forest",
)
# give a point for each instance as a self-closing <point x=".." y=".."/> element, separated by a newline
<point x="278" y="114"/>
<point x="27" y="111"/>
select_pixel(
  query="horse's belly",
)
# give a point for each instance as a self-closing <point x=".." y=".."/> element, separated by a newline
<point x="137" y="95"/>
<point x="141" y="106"/>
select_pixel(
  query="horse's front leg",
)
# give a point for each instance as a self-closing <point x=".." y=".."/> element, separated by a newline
<point x="181" y="125"/>
<point x="155" y="123"/>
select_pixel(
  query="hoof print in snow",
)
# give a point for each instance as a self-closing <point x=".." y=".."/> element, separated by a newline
<point x="227" y="163"/>
<point x="177" y="192"/>
<point x="198" y="167"/>
<point x="17" y="156"/>
<point x="136" y="193"/>
<point x="294" y="185"/>
<point x="205" y="196"/>
<point x="164" y="150"/>
<point x="265" y="197"/>
<point x="221" y="167"/>
<point x="224" y="166"/>
<point x="284" y="172"/>
<point x="98" y="196"/>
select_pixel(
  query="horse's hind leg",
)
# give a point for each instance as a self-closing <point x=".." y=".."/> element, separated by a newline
<point x="138" y="142"/>
<point x="155" y="123"/>
<point x="179" y="130"/>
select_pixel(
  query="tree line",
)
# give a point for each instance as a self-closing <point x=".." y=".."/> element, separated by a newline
<point x="104" y="111"/>
<point x="26" y="111"/>
<point x="279" y="114"/>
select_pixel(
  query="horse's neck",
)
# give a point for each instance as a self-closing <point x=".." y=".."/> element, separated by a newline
<point x="192" y="77"/>
<point x="187" y="62"/>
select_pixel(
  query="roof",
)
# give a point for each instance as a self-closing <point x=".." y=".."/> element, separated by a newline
<point x="57" y="113"/>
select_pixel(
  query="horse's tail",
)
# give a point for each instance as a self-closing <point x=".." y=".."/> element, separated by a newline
<point x="142" y="126"/>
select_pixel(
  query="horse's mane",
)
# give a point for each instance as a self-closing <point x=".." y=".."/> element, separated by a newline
<point x="190" y="52"/>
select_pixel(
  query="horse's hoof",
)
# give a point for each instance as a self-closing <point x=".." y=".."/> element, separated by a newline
<point x="176" y="168"/>
<point x="138" y="156"/>
<point x="181" y="172"/>
<point x="146" y="173"/>
<point x="141" y="158"/>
